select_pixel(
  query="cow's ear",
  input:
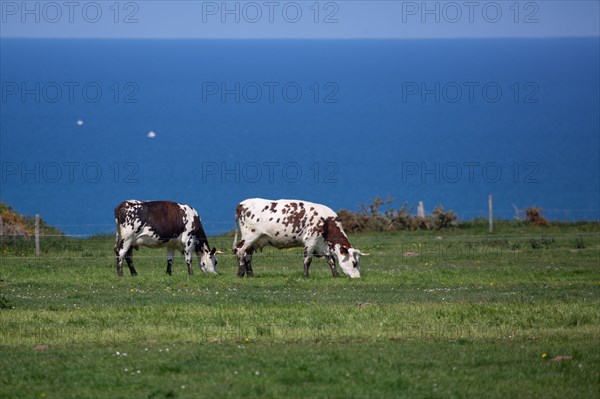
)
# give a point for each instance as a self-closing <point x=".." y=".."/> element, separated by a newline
<point x="343" y="250"/>
<point x="213" y="251"/>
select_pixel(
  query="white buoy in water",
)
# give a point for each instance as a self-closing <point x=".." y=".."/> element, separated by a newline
<point x="151" y="134"/>
<point x="79" y="122"/>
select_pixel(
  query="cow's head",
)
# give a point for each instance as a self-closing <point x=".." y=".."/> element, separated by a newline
<point x="349" y="260"/>
<point x="208" y="259"/>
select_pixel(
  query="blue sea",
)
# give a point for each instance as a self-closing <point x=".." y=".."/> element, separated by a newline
<point x="86" y="124"/>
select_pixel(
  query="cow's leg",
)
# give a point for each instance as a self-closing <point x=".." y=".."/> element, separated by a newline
<point x="118" y="248"/>
<point x="241" y="265"/>
<point x="331" y="262"/>
<point x="170" y="255"/>
<point x="248" y="263"/>
<point x="307" y="259"/>
<point x="123" y="250"/>
<point x="187" y="252"/>
<point x="129" y="259"/>
<point x="239" y="250"/>
<point x="243" y="252"/>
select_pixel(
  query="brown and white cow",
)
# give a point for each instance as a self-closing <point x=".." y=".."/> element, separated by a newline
<point x="293" y="223"/>
<point x="158" y="224"/>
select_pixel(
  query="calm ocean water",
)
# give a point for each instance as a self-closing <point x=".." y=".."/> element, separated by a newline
<point x="338" y="122"/>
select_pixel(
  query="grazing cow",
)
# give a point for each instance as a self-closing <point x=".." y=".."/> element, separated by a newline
<point x="158" y="224"/>
<point x="292" y="223"/>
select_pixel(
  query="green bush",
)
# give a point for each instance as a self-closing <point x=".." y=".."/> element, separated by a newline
<point x="372" y="218"/>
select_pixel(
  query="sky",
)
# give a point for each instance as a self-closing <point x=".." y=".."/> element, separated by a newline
<point x="301" y="19"/>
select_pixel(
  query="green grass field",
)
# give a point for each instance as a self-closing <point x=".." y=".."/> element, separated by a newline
<point x="453" y="313"/>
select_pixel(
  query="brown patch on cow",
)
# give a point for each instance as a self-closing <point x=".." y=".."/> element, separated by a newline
<point x="253" y="230"/>
<point x="277" y="221"/>
<point x="270" y="219"/>
<point x="266" y="207"/>
<point x="333" y="234"/>
<point x="297" y="219"/>
<point x="273" y="206"/>
<point x="196" y="225"/>
<point x="240" y="244"/>
<point x="317" y="229"/>
<point x="165" y="218"/>
<point x="276" y="234"/>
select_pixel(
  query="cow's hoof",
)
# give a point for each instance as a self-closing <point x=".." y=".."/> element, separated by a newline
<point x="241" y="275"/>
<point x="133" y="274"/>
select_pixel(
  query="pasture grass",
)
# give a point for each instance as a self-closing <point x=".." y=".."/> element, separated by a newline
<point x="453" y="313"/>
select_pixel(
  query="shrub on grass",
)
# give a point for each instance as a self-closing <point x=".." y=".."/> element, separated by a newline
<point x="443" y="219"/>
<point x="534" y="216"/>
<point x="372" y="218"/>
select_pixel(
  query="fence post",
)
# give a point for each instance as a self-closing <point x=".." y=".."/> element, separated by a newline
<point x="491" y="215"/>
<point x="421" y="210"/>
<point x="1" y="232"/>
<point x="37" y="234"/>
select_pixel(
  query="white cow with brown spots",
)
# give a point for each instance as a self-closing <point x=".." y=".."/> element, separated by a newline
<point x="289" y="224"/>
<point x="158" y="224"/>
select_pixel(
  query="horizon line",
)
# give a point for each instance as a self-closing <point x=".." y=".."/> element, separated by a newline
<point x="301" y="38"/>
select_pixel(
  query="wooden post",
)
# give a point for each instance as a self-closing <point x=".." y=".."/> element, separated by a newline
<point x="421" y="210"/>
<point x="37" y="234"/>
<point x="491" y="214"/>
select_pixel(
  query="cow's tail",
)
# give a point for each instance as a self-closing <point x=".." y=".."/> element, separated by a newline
<point x="119" y="220"/>
<point x="120" y="215"/>
<point x="236" y="227"/>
